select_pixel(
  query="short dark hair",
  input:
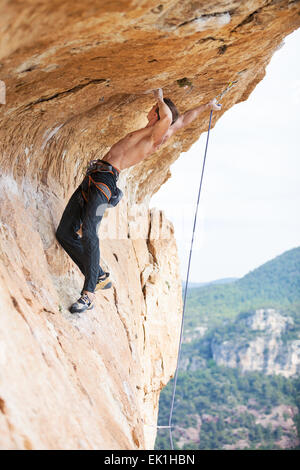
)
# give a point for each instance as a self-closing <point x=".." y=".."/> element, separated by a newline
<point x="174" y="110"/>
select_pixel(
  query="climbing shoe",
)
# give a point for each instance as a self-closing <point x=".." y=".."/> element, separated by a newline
<point x="82" y="304"/>
<point x="103" y="282"/>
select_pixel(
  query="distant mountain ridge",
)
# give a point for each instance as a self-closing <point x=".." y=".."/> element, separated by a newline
<point x="226" y="280"/>
<point x="269" y="275"/>
<point x="276" y="283"/>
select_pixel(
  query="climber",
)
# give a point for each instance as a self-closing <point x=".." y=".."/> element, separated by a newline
<point x="99" y="190"/>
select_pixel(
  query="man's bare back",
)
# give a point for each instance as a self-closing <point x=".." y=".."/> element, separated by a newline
<point x="138" y="145"/>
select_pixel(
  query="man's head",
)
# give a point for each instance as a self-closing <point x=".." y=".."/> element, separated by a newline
<point x="153" y="115"/>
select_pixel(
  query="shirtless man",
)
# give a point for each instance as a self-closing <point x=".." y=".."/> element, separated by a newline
<point x="87" y="205"/>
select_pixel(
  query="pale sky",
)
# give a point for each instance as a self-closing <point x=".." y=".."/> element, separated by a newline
<point x="250" y="201"/>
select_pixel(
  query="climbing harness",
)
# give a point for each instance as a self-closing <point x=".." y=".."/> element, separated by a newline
<point x="101" y="166"/>
<point x="170" y="426"/>
<point x="101" y="186"/>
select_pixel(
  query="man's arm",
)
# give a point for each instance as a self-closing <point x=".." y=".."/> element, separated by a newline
<point x="137" y="145"/>
<point x="188" y="117"/>
<point x="161" y="127"/>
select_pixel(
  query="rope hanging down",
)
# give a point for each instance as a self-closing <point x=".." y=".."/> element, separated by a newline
<point x="230" y="85"/>
<point x="186" y="284"/>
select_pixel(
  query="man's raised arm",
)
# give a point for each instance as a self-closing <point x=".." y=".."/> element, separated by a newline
<point x="191" y="115"/>
<point x="160" y="128"/>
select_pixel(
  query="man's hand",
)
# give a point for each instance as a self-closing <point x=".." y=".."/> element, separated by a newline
<point x="158" y="94"/>
<point x="214" y="105"/>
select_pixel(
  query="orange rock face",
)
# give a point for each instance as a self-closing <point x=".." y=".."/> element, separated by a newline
<point x="74" y="75"/>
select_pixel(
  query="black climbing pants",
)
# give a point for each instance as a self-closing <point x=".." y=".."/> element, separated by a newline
<point x="84" y="250"/>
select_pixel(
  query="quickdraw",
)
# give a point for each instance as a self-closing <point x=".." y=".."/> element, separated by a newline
<point x="229" y="87"/>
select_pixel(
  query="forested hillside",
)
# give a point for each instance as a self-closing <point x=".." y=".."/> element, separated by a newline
<point x="275" y="283"/>
<point x="222" y="407"/>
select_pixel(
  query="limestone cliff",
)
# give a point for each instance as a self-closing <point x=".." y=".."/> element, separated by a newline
<point x="74" y="74"/>
<point x="265" y="350"/>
